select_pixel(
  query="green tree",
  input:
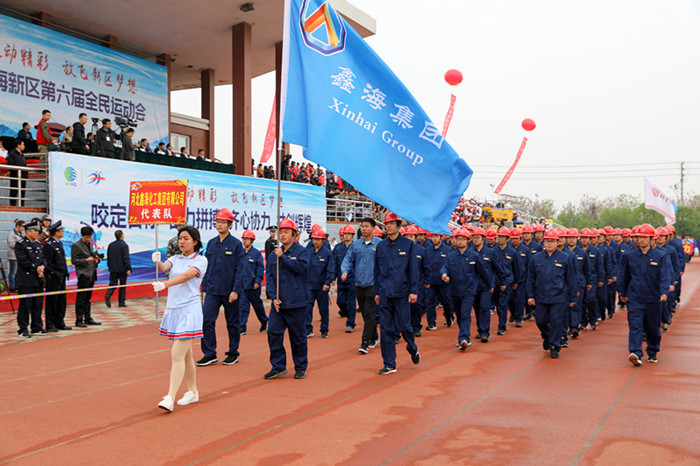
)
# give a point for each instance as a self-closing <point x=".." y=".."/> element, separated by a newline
<point x="688" y="221"/>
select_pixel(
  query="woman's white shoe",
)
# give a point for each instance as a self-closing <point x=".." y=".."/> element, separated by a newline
<point x="167" y="404"/>
<point x="188" y="398"/>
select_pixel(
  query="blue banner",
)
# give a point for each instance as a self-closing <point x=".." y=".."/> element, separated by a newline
<point x="352" y="115"/>
<point x="94" y="191"/>
<point x="44" y="69"/>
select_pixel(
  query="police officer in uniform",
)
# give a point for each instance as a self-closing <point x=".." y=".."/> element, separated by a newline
<point x="30" y="279"/>
<point x="56" y="275"/>
<point x="288" y="311"/>
<point x="222" y="285"/>
<point x="396" y="287"/>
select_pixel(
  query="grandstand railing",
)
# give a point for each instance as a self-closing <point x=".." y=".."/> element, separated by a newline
<point x="33" y="194"/>
<point x="347" y="210"/>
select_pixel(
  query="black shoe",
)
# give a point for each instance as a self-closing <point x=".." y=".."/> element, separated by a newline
<point x="554" y="353"/>
<point x="52" y="330"/>
<point x="375" y="343"/>
<point x="449" y="323"/>
<point x="65" y="327"/>
<point x="108" y="302"/>
<point x="92" y="321"/>
<point x="300" y="375"/>
<point x="519" y="324"/>
<point x="501" y="332"/>
<point x="40" y="333"/>
<point x="324" y="334"/>
<point x="484" y="338"/>
<point x="230" y="360"/>
<point x="415" y="358"/>
<point x="527" y="317"/>
<point x="565" y="343"/>
<point x="512" y="319"/>
<point x="309" y="334"/>
<point x="432" y="327"/>
<point x="364" y="348"/>
<point x="416" y="333"/>
<point x="123" y="305"/>
<point x="207" y="360"/>
<point x="574" y="334"/>
<point x="386" y="370"/>
<point x="24" y="335"/>
<point x="397" y="340"/>
<point x="477" y="336"/>
<point x="652" y="358"/>
<point x="545" y="345"/>
<point x="263" y="327"/>
<point x="81" y="325"/>
<point x="274" y="373"/>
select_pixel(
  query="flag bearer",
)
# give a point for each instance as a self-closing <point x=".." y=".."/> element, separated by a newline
<point x="462" y="271"/>
<point x="319" y="278"/>
<point x="396" y="287"/>
<point x="551" y="287"/>
<point x="644" y="285"/>
<point x="347" y="304"/>
<point x="253" y="272"/>
<point x="508" y="259"/>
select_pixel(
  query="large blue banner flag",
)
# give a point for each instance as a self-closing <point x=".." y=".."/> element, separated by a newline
<point x="354" y="116"/>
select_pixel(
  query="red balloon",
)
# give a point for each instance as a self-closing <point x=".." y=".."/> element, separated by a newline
<point x="528" y="124"/>
<point x="453" y="77"/>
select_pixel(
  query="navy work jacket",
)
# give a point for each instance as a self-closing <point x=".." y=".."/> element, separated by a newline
<point x="294" y="265"/>
<point x="551" y="279"/>
<point x="225" y="270"/>
<point x="464" y="270"/>
<point x="339" y="253"/>
<point x="395" y="268"/>
<point x="253" y="268"/>
<point x="321" y="268"/>
<point x="435" y="258"/>
<point x="645" y="277"/>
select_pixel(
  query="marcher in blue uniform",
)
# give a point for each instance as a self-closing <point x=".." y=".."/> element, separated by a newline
<point x="56" y="274"/>
<point x="551" y="287"/>
<point x="534" y="247"/>
<point x="615" y="257"/>
<point x="584" y="280"/>
<point x="625" y="244"/>
<point x="396" y="287"/>
<point x="598" y="240"/>
<point x="418" y="308"/>
<point x="644" y="285"/>
<point x="347" y="303"/>
<point x="590" y="312"/>
<point x="289" y="303"/>
<point x="518" y="300"/>
<point x="253" y="272"/>
<point x="319" y="278"/>
<point x="673" y="260"/>
<point x="484" y="290"/>
<point x="682" y="259"/>
<point x="359" y="261"/>
<point x="508" y="259"/>
<point x="435" y="255"/>
<point x="222" y="285"/>
<point x="462" y="271"/>
<point x="30" y="279"/>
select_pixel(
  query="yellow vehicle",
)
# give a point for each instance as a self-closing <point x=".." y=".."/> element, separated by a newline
<point x="498" y="216"/>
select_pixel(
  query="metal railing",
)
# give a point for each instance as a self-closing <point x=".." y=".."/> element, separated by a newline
<point x="14" y="190"/>
<point x="347" y="210"/>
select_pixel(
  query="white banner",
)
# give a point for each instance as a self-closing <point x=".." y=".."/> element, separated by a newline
<point x="656" y="199"/>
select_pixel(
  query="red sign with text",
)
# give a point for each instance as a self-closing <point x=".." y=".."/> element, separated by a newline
<point x="157" y="202"/>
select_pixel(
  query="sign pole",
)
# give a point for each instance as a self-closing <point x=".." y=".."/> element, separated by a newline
<point x="156" y="272"/>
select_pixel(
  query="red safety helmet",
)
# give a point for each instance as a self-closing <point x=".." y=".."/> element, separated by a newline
<point x="224" y="214"/>
<point x="671" y="229"/>
<point x="626" y="232"/>
<point x="617" y="231"/>
<point x="516" y="233"/>
<point x="318" y="233"/>
<point x="463" y="232"/>
<point x="503" y="231"/>
<point x="470" y="227"/>
<point x="601" y="231"/>
<point x="608" y="230"/>
<point x="539" y="227"/>
<point x="491" y="233"/>
<point x="661" y="231"/>
<point x="585" y="233"/>
<point x="289" y="224"/>
<point x="411" y="230"/>
<point x="402" y="231"/>
<point x="248" y="234"/>
<point x="551" y="234"/>
<point x="646" y="230"/>
<point x="377" y="232"/>
<point x="392" y="217"/>
<point x="635" y="230"/>
<point x="561" y="231"/>
<point x="572" y="233"/>
<point x="528" y="229"/>
<point x="478" y="231"/>
<point x="421" y="231"/>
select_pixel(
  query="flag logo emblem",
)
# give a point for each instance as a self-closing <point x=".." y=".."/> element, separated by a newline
<point x="322" y="29"/>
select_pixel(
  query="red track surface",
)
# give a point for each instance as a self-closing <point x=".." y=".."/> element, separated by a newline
<point x="91" y="397"/>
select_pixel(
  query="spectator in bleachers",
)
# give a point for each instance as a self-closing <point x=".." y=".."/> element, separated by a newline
<point x="16" y="158"/>
<point x="160" y="150"/>
<point x="260" y="171"/>
<point x="145" y="146"/>
<point x="25" y="132"/>
<point x="44" y="137"/>
<point x="169" y="150"/>
<point x="12" y="238"/>
<point x="128" y="152"/>
<point x="3" y="151"/>
<point x="183" y="153"/>
<point x="104" y="140"/>
<point x="80" y="145"/>
<point x="200" y="155"/>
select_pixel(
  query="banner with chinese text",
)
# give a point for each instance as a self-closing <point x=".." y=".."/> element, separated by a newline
<point x="44" y="69"/>
<point x="93" y="191"/>
<point x="157" y="202"/>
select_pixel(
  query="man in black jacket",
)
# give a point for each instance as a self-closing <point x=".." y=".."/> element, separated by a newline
<point x="104" y="139"/>
<point x="56" y="276"/>
<point x="128" y="151"/>
<point x="16" y="158"/>
<point x="30" y="279"/>
<point x="85" y="261"/>
<point x="79" y="145"/>
<point x="119" y="264"/>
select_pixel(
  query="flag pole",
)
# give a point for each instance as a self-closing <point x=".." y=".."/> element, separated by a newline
<point x="156" y="271"/>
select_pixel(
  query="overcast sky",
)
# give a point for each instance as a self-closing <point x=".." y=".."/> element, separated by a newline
<point x="613" y="85"/>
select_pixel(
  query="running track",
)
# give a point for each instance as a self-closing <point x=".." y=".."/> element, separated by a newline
<point x="91" y="397"/>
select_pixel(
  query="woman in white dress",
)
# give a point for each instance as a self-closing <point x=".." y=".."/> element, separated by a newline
<point x="182" y="319"/>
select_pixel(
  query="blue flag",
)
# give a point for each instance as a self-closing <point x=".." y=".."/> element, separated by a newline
<point x="352" y="115"/>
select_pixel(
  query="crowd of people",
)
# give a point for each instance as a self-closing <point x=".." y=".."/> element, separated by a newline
<point x="37" y="264"/>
